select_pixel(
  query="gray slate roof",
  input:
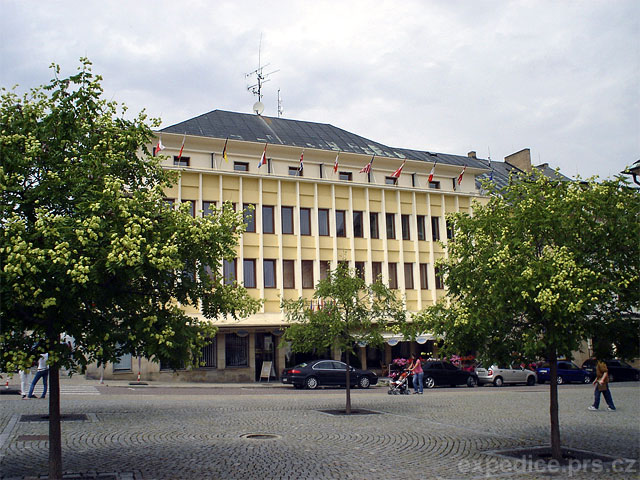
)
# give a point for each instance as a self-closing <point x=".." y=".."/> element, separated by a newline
<point x="500" y="172"/>
<point x="281" y="131"/>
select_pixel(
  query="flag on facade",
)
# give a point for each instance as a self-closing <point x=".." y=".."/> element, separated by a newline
<point x="433" y="169"/>
<point x="398" y="172"/>
<point x="368" y="166"/>
<point x="335" y="165"/>
<point x="159" y="147"/>
<point x="263" y="159"/>
<point x="224" y="151"/>
<point x="301" y="167"/>
<point x="182" y="147"/>
<point x="461" y="174"/>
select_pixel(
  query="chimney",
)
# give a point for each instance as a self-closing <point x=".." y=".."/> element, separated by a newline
<point x="472" y="154"/>
<point x="521" y="160"/>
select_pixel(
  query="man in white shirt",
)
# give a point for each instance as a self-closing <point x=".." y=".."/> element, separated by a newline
<point x="43" y="372"/>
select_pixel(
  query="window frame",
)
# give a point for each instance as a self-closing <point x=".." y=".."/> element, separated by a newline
<point x="392" y="270"/>
<point x="324" y="224"/>
<point x="273" y="280"/>
<point x="424" y="276"/>
<point x="289" y="219"/>
<point x="268" y="228"/>
<point x="346" y="176"/>
<point x="251" y="224"/>
<point x="240" y="343"/>
<point x="289" y="274"/>
<point x="421" y="227"/>
<point x="408" y="276"/>
<point x="405" y="222"/>
<point x="305" y="225"/>
<point x="182" y="161"/>
<point x="435" y="228"/>
<point x="306" y="270"/>
<point x="226" y="279"/>
<point x="390" y="224"/>
<point x="251" y="273"/>
<point x="341" y="225"/>
<point x="240" y="166"/>
<point x="374" y="230"/>
<point x="376" y="270"/>
<point x="358" y="224"/>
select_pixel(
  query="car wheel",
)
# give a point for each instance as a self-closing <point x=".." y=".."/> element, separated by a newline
<point x="497" y="381"/>
<point x="587" y="379"/>
<point x="311" y="383"/>
<point x="429" y="382"/>
<point x="471" y="382"/>
<point x="364" y="382"/>
<point x="531" y="380"/>
<point x="560" y="380"/>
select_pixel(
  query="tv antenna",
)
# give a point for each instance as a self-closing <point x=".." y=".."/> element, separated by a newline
<point x="261" y="77"/>
<point x="279" y="104"/>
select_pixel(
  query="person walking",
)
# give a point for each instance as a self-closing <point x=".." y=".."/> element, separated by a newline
<point x="415" y="367"/>
<point x="42" y="373"/>
<point x="602" y="386"/>
<point x="24" y="382"/>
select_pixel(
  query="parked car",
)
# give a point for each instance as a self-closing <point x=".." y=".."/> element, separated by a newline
<point x="619" y="371"/>
<point x="567" y="372"/>
<point x="499" y="375"/>
<point x="437" y="373"/>
<point x="320" y="373"/>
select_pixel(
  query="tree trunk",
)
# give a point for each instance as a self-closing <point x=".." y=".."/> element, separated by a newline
<point x="556" y="451"/>
<point x="55" y="437"/>
<point x="348" y="386"/>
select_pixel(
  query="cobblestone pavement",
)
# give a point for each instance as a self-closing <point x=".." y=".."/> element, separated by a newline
<point x="444" y="434"/>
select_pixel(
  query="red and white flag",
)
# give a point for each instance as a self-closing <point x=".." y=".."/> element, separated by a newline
<point x="461" y="174"/>
<point x="263" y="159"/>
<point x="182" y="147"/>
<point x="159" y="147"/>
<point x="367" y="167"/>
<point x="301" y="167"/>
<point x="335" y="165"/>
<point x="397" y="173"/>
<point x="433" y="169"/>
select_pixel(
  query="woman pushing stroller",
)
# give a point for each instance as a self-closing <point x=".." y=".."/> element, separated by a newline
<point x="415" y="368"/>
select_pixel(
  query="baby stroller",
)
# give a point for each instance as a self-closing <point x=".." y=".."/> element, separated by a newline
<point x="399" y="384"/>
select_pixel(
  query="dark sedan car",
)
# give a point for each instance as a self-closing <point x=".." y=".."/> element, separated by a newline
<point x="618" y="370"/>
<point x="567" y="372"/>
<point x="326" y="373"/>
<point x="437" y="372"/>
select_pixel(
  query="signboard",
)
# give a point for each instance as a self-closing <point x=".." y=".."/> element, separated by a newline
<point x="267" y="370"/>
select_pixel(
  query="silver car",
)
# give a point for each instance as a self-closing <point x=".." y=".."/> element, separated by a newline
<point x="499" y="375"/>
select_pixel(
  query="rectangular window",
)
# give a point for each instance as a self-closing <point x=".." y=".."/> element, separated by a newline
<point x="192" y="207"/>
<point x="434" y="185"/>
<point x="324" y="269"/>
<point x="170" y="202"/>
<point x="360" y="270"/>
<point x="358" y="227"/>
<point x="269" y="169"/>
<point x="236" y="350"/>
<point x="406" y="227"/>
<point x="424" y="276"/>
<point x="348" y="176"/>
<point x="393" y="276"/>
<point x="391" y="180"/>
<point x="323" y="222"/>
<point x="249" y="272"/>
<point x="288" y="274"/>
<point x="241" y="166"/>
<point x="249" y="215"/>
<point x="414" y="181"/>
<point x="305" y="221"/>
<point x="181" y="162"/>
<point x="208" y="355"/>
<point x="435" y="228"/>
<point x="229" y="271"/>
<point x="207" y="208"/>
<point x="269" y="271"/>
<point x="408" y="276"/>
<point x="293" y="171"/>
<point x="287" y="220"/>
<point x="267" y="219"/>
<point x="321" y="168"/>
<point x="449" y="230"/>
<point x="341" y="227"/>
<point x="307" y="273"/>
<point x="376" y="271"/>
<point x="373" y="225"/>
<point x="421" y="228"/>
<point x="391" y="225"/>
<point x="439" y="279"/>
<point x="123" y="363"/>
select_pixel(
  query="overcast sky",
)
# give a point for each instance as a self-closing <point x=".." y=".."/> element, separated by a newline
<point x="559" y="77"/>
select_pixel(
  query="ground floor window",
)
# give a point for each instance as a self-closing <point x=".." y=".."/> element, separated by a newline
<point x="123" y="363"/>
<point x="208" y="358"/>
<point x="236" y="350"/>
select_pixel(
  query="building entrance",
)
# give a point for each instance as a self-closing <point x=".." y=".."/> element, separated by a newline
<point x="265" y="352"/>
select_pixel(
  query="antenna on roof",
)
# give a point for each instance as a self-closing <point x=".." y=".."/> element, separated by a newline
<point x="256" y="88"/>
<point x="279" y="104"/>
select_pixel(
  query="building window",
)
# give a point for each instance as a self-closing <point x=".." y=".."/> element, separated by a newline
<point x="341" y="228"/>
<point x="414" y="180"/>
<point x="323" y="222"/>
<point x="408" y="276"/>
<point x="249" y="215"/>
<point x="269" y="271"/>
<point x="123" y="363"/>
<point x="360" y="270"/>
<point x="241" y="166"/>
<point x="267" y="219"/>
<point x="288" y="274"/>
<point x="208" y="208"/>
<point x="305" y="221"/>
<point x="424" y="276"/>
<point x="358" y="227"/>
<point x="434" y="185"/>
<point x="449" y="230"/>
<point x="406" y="227"/>
<point x="439" y="279"/>
<point x="393" y="276"/>
<point x="192" y="207"/>
<point x="170" y="202"/>
<point x="229" y="271"/>
<point x="421" y="227"/>
<point x="208" y="355"/>
<point x="287" y="220"/>
<point x="373" y="225"/>
<point x="348" y="176"/>
<point x="391" y="225"/>
<point x="236" y="350"/>
<point x="295" y="172"/>
<point x="249" y="272"/>
<point x="324" y="269"/>
<point x="181" y="162"/>
<point x="390" y="180"/>
<point x="435" y="228"/>
<point x="307" y="273"/>
<point x="376" y="271"/>
<point x="321" y="169"/>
